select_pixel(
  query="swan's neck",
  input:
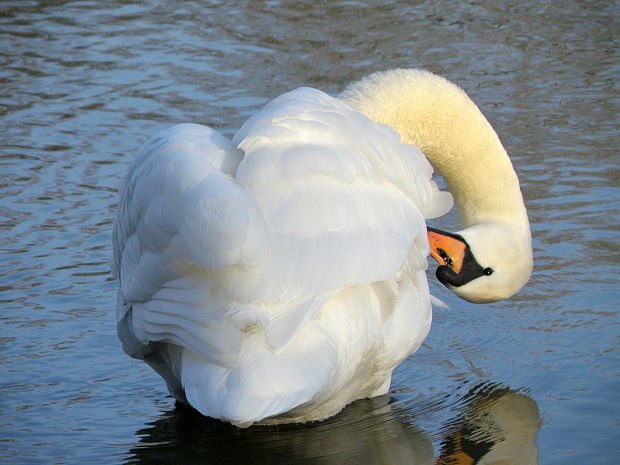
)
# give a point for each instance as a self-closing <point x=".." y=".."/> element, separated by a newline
<point x="439" y="118"/>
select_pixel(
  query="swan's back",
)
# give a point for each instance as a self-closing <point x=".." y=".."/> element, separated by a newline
<point x="282" y="274"/>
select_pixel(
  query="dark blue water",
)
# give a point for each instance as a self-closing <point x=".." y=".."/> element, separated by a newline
<point x="83" y="84"/>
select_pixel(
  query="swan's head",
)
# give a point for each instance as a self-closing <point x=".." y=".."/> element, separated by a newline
<point x="483" y="263"/>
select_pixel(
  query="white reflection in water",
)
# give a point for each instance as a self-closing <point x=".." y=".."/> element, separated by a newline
<point x="493" y="425"/>
<point x="85" y="83"/>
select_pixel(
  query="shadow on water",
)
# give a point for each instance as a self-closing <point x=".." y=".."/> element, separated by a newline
<point x="494" y="424"/>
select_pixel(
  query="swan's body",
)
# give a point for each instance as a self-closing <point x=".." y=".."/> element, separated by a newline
<point x="281" y="276"/>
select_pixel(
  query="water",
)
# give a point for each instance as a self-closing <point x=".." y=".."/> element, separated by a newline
<point x="83" y="84"/>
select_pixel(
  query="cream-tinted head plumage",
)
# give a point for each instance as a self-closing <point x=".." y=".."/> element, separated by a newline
<point x="280" y="276"/>
<point x="438" y="117"/>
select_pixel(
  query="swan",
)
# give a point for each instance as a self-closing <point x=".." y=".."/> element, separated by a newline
<point x="277" y="277"/>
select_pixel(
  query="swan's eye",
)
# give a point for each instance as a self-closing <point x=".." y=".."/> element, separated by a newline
<point x="445" y="257"/>
<point x="488" y="271"/>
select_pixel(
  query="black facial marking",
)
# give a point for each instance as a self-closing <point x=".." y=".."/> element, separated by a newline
<point x="470" y="270"/>
<point x="446" y="258"/>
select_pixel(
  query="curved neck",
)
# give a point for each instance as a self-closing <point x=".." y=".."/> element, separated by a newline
<point x="439" y="118"/>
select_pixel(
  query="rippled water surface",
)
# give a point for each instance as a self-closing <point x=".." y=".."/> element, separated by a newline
<point x="84" y="83"/>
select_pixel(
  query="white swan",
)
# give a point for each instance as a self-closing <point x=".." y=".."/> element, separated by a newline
<point x="279" y="277"/>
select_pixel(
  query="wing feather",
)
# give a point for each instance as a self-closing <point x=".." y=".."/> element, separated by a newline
<point x="215" y="238"/>
<point x="344" y="199"/>
<point x="181" y="214"/>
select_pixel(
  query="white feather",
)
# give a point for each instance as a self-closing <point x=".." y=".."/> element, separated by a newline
<point x="288" y="265"/>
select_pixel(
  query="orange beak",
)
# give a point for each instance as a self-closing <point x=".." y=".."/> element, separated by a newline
<point x="448" y="249"/>
<point x="454" y="453"/>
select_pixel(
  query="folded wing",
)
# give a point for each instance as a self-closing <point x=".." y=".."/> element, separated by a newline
<point x="218" y="240"/>
<point x="181" y="215"/>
